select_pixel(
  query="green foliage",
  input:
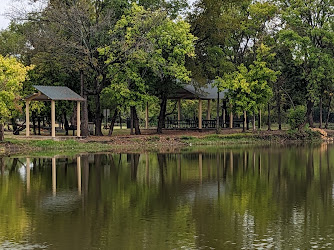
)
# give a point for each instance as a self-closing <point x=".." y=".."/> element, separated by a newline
<point x="249" y="89"/>
<point x="146" y="56"/>
<point x="13" y="41"/>
<point x="308" y="36"/>
<point x="296" y="116"/>
<point x="229" y="33"/>
<point x="186" y="137"/>
<point x="304" y="135"/>
<point x="130" y="52"/>
<point x="215" y="139"/>
<point x="12" y="75"/>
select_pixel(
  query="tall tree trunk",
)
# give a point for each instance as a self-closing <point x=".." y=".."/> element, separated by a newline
<point x="259" y="119"/>
<point x="2" y="131"/>
<point x="320" y="113"/>
<point x="135" y="121"/>
<point x="279" y="112"/>
<point x="247" y="121"/>
<point x="14" y="126"/>
<point x="309" y="113"/>
<point x="39" y="125"/>
<point x="328" y="112"/>
<point x="244" y="124"/>
<point x="254" y="125"/>
<point x="162" y="114"/>
<point x="66" y="125"/>
<point x="120" y="119"/>
<point x="112" y="123"/>
<point x="84" y="108"/>
<point x="131" y="121"/>
<point x="98" y="118"/>
<point x="269" y="117"/>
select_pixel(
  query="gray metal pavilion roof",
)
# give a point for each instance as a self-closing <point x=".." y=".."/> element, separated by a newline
<point x="55" y="93"/>
<point x="207" y="92"/>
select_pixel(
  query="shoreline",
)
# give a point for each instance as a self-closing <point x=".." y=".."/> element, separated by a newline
<point x="170" y="141"/>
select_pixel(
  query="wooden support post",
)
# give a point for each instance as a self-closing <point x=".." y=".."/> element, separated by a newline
<point x="146" y="116"/>
<point x="53" y="118"/>
<point x="78" y="120"/>
<point x="54" y="177"/>
<point x="200" y="113"/>
<point x="79" y="174"/>
<point x="27" y="119"/>
<point x="208" y="117"/>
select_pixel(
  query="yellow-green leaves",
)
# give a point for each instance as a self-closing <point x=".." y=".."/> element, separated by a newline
<point x="12" y="74"/>
<point x="249" y="89"/>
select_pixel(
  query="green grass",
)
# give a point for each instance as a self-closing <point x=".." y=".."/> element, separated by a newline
<point x="51" y="147"/>
<point x="239" y="138"/>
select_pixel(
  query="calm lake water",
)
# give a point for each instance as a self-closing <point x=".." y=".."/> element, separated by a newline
<point x="248" y="198"/>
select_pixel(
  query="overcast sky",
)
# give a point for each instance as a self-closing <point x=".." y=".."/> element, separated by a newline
<point x="4" y="7"/>
<point x="7" y="5"/>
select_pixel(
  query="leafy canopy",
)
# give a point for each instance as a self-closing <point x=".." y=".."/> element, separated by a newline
<point x="249" y="88"/>
<point x="12" y="75"/>
<point x="148" y="49"/>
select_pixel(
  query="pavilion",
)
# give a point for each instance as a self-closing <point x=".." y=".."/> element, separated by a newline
<point x="53" y="94"/>
<point x="190" y="92"/>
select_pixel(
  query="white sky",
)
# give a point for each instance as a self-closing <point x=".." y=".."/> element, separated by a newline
<point x="6" y="6"/>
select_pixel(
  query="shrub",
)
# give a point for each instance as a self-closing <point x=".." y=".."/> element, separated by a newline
<point x="186" y="137"/>
<point x="296" y="116"/>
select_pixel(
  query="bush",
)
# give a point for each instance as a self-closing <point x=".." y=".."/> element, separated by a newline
<point x="296" y="116"/>
<point x="305" y="135"/>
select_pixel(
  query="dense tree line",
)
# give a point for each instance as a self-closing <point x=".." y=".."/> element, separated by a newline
<point x="271" y="56"/>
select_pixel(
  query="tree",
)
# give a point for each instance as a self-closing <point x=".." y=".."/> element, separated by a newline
<point x="308" y="35"/>
<point x="72" y="32"/>
<point x="13" y="41"/>
<point x="173" y="44"/>
<point x="153" y="49"/>
<point x="12" y="75"/>
<point x="249" y="89"/>
<point x="229" y="33"/>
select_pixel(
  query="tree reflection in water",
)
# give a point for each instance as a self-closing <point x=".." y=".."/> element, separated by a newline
<point x="220" y="198"/>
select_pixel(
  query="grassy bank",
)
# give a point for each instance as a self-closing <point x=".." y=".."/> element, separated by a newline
<point x="168" y="141"/>
<point x="51" y="147"/>
<point x="259" y="137"/>
<point x="240" y="138"/>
